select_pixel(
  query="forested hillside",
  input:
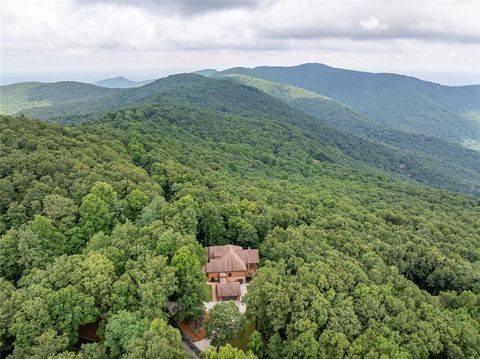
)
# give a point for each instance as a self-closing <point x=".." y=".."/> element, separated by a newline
<point x="396" y="101"/>
<point x="437" y="152"/>
<point x="433" y="163"/>
<point x="106" y="220"/>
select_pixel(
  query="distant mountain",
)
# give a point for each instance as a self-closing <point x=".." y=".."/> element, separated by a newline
<point x="399" y="102"/>
<point x="72" y="102"/>
<point x="121" y="82"/>
<point x="206" y="72"/>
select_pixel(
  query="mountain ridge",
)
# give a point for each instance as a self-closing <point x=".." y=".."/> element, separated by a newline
<point x="76" y="102"/>
<point x="401" y="102"/>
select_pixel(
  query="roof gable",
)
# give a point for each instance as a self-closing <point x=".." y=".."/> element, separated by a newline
<point x="230" y="258"/>
<point x="230" y="289"/>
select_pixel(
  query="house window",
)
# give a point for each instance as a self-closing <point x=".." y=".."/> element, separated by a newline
<point x="229" y="274"/>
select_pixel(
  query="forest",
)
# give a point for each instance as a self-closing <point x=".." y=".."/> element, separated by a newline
<point x="107" y="220"/>
<point x="324" y="122"/>
<point x="397" y="101"/>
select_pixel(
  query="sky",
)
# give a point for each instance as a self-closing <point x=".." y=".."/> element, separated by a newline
<point x="89" y="40"/>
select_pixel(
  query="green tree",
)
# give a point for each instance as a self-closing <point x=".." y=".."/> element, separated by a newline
<point x="182" y="215"/>
<point x="256" y="344"/>
<point x="134" y="202"/>
<point x="152" y="211"/>
<point x="88" y="351"/>
<point x="160" y="341"/>
<point x="95" y="215"/>
<point x="304" y="345"/>
<point x="61" y="210"/>
<point x="191" y="292"/>
<point x="242" y="231"/>
<point x="7" y="310"/>
<point x="46" y="345"/>
<point x="70" y="308"/>
<point x="16" y="215"/>
<point x="30" y="320"/>
<point x="212" y="226"/>
<point x="223" y="323"/>
<point x="170" y="242"/>
<point x="10" y="255"/>
<point x="227" y="352"/>
<point x="332" y="344"/>
<point x="121" y="328"/>
<point x="39" y="243"/>
<point x="146" y="285"/>
<point x="94" y="276"/>
<point x="97" y="211"/>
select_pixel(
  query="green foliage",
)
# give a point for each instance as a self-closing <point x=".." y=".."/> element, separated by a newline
<point x="354" y="264"/>
<point x="191" y="291"/>
<point x="223" y="323"/>
<point x="401" y="102"/>
<point x="256" y="345"/>
<point x="88" y="351"/>
<point x="39" y="243"/>
<point x="159" y="341"/>
<point x="227" y="352"/>
<point x="146" y="284"/>
<point x="421" y="157"/>
<point x="6" y="314"/>
<point x="128" y="336"/>
<point x="10" y="256"/>
<point x="330" y="304"/>
<point x="97" y="209"/>
<point x="62" y="210"/>
<point x="123" y="327"/>
<point x="397" y="137"/>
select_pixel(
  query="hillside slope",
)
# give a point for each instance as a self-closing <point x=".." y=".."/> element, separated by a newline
<point x="227" y="96"/>
<point x="396" y="101"/>
<point x="343" y="118"/>
<point x="54" y="100"/>
<point x="114" y="214"/>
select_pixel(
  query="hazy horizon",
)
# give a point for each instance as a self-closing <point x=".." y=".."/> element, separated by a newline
<point x="443" y="78"/>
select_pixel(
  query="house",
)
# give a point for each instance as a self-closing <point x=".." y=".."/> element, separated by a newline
<point x="230" y="266"/>
<point x="237" y="263"/>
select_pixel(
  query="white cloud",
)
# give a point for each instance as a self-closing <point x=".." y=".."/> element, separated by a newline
<point x="372" y="23"/>
<point x="87" y="35"/>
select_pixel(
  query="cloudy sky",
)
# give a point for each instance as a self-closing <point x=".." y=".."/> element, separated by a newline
<point x="88" y="40"/>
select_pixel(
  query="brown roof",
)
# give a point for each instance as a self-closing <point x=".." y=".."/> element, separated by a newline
<point x="220" y="251"/>
<point x="230" y="289"/>
<point x="230" y="258"/>
<point x="249" y="256"/>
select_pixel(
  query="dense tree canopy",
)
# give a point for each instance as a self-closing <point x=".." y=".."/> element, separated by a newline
<point x="106" y="221"/>
<point x="223" y="323"/>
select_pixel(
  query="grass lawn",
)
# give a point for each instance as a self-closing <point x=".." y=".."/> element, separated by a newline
<point x="241" y="339"/>
<point x="209" y="291"/>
